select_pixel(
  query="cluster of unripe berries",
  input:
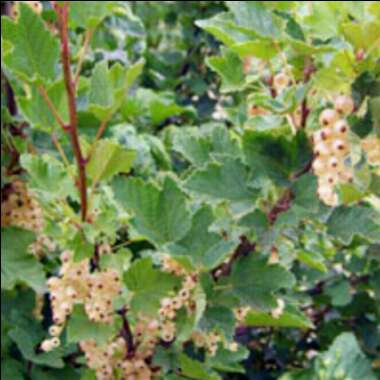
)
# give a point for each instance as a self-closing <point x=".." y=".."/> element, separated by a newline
<point x="20" y="209"/>
<point x="170" y="305"/>
<point x="111" y="361"/>
<point x="77" y="285"/>
<point x="331" y="147"/>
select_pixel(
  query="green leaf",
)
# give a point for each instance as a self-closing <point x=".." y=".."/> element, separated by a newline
<point x="340" y="293"/>
<point x="345" y="359"/>
<point x="261" y="48"/>
<point x="347" y="222"/>
<point x="199" y="147"/>
<point x="253" y="15"/>
<point x="230" y="67"/>
<point x="159" y="214"/>
<point x="28" y="59"/>
<point x="323" y="20"/>
<point x="109" y="87"/>
<point x="291" y="317"/>
<point x="90" y="14"/>
<point x="80" y="328"/>
<point x="48" y="176"/>
<point x="108" y="159"/>
<point x="209" y="249"/>
<point x="81" y="248"/>
<point x="196" y="370"/>
<point x="276" y="157"/>
<point x="17" y="265"/>
<point x="220" y="319"/>
<point x="228" y="361"/>
<point x="222" y="181"/>
<point x="11" y="369"/>
<point x="224" y="28"/>
<point x="35" y="110"/>
<point x="261" y="281"/>
<point x="27" y="343"/>
<point x="148" y="285"/>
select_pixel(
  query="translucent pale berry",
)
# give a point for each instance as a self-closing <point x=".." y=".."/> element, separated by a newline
<point x="328" y="117"/>
<point x="344" y="104"/>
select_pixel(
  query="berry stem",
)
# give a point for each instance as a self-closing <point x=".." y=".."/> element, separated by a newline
<point x="126" y="333"/>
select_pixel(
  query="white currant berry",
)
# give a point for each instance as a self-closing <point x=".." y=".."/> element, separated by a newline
<point x="340" y="128"/>
<point x="328" y="117"/>
<point x="344" y="104"/>
<point x="322" y="149"/>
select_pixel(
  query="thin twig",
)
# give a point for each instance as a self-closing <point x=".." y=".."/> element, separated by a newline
<point x="51" y="106"/>
<point x="99" y="134"/>
<point x="60" y="150"/>
<point x="62" y="14"/>
<point x="82" y="54"/>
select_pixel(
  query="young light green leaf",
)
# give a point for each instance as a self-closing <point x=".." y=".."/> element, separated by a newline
<point x="253" y="15"/>
<point x="48" y="176"/>
<point x="30" y="60"/>
<point x="35" y="110"/>
<point x="109" y="87"/>
<point x="91" y="13"/>
<point x="108" y="159"/>
<point x="230" y="67"/>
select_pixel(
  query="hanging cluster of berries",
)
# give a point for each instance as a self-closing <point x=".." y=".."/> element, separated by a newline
<point x="113" y="358"/>
<point x="20" y="209"/>
<point x="36" y="6"/>
<point x="77" y="285"/>
<point x="371" y="146"/>
<point x="184" y="298"/>
<point x="109" y="361"/>
<point x="331" y="148"/>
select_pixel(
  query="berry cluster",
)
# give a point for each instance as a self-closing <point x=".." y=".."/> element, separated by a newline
<point x="104" y="287"/>
<point x="20" y="209"/>
<point x="111" y="361"/>
<point x="331" y="147"/>
<point x="76" y="285"/>
<point x="170" y="305"/>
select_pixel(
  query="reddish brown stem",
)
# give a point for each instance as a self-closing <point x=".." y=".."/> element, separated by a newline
<point x="62" y="13"/>
<point x="126" y="333"/>
<point x="244" y="248"/>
